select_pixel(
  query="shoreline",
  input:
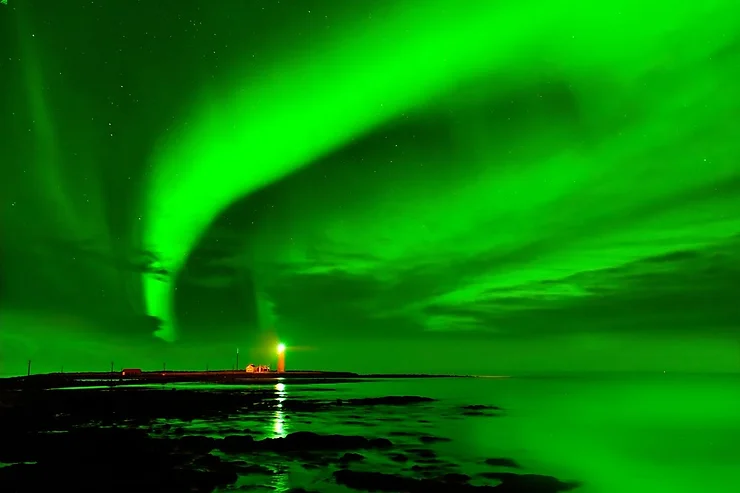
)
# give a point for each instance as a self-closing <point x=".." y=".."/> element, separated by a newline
<point x="167" y="439"/>
<point x="109" y="379"/>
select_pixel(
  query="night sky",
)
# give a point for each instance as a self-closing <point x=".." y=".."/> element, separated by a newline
<point x="427" y="185"/>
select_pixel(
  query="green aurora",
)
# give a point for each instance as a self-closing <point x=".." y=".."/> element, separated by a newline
<point x="385" y="186"/>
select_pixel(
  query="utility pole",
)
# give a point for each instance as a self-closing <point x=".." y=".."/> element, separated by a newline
<point x="237" y="359"/>
<point x="29" y="367"/>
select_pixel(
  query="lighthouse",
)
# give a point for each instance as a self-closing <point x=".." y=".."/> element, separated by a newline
<point x="281" y="358"/>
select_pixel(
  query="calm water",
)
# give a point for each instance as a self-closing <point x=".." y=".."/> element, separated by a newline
<point x="664" y="433"/>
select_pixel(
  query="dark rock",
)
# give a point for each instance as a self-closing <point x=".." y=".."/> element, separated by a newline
<point x="306" y="440"/>
<point x="502" y="462"/>
<point x="375" y="481"/>
<point x="255" y="469"/>
<point x="433" y="439"/>
<point x="481" y="407"/>
<point x="480" y="413"/>
<point x="208" y="461"/>
<point x="235" y="444"/>
<point x="534" y="483"/>
<point x="427" y="471"/>
<point x="380" y="443"/>
<point x="428" y="460"/>
<point x="113" y="478"/>
<point x="423" y="452"/>
<point x="196" y="444"/>
<point x="301" y="442"/>
<point x="107" y="448"/>
<point x="351" y="457"/>
<point x="391" y="400"/>
<point x="454" y="477"/>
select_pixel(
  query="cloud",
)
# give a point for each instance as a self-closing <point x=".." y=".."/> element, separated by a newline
<point x="682" y="290"/>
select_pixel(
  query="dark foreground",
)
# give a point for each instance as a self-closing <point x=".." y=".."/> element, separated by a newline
<point x="145" y="440"/>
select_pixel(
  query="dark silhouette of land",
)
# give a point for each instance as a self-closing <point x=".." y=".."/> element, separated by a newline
<point x="88" y="379"/>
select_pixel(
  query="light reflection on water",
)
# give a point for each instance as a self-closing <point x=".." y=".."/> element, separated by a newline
<point x="639" y="434"/>
<point x="281" y="481"/>
<point x="279" y="428"/>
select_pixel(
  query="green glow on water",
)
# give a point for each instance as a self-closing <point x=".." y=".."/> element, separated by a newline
<point x="613" y="433"/>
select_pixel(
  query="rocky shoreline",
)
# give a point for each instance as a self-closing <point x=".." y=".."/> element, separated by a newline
<point x="121" y="440"/>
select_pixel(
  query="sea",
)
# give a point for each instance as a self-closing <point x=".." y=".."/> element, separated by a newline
<point x="612" y="433"/>
<point x="618" y="433"/>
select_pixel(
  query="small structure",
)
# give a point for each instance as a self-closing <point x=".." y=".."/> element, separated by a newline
<point x="130" y="372"/>
<point x="257" y="369"/>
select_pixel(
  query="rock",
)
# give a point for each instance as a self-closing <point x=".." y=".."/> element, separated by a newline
<point x="97" y="441"/>
<point x="480" y="413"/>
<point x="454" y="477"/>
<point x="351" y="457"/>
<point x="375" y="481"/>
<point x="423" y="452"/>
<point x="502" y="462"/>
<point x="392" y="400"/>
<point x="433" y="439"/>
<point x="480" y="407"/>
<point x="534" y="483"/>
<point x="208" y="461"/>
<point x="301" y="442"/>
<point x="255" y="469"/>
<point x="196" y="444"/>
<point x="380" y="443"/>
<point x="235" y="444"/>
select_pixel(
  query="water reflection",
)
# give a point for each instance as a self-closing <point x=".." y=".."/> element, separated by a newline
<point x="279" y="425"/>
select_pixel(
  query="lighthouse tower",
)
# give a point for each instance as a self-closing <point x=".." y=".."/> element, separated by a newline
<point x="281" y="358"/>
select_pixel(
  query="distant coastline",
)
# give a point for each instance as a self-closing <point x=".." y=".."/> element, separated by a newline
<point x="114" y="379"/>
